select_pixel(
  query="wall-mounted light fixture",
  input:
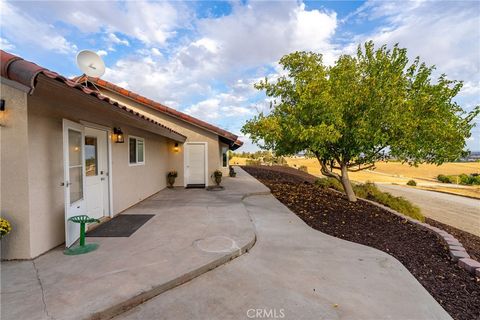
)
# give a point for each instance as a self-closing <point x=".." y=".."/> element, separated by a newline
<point x="2" y="105"/>
<point x="176" y="148"/>
<point x="118" y="135"/>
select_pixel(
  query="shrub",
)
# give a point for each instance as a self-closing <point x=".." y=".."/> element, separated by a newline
<point x="303" y="168"/>
<point x="411" y="183"/>
<point x="464" y="179"/>
<point x="252" y="162"/>
<point x="443" y="178"/>
<point x="325" y="183"/>
<point x="371" y="192"/>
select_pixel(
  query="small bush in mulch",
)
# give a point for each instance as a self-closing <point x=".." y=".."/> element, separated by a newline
<point x="371" y="192"/>
<point x="417" y="248"/>
<point x="329" y="183"/>
<point x="303" y="168"/>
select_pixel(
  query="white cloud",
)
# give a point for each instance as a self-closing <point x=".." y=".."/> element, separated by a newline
<point x="113" y="38"/>
<point x="102" y="53"/>
<point x="227" y="49"/>
<point x="6" y="45"/>
<point x="223" y="105"/>
<point x="34" y="33"/>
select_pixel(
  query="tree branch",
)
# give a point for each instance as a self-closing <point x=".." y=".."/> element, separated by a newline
<point x="324" y="169"/>
<point x="364" y="168"/>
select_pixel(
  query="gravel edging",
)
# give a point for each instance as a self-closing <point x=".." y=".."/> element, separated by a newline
<point x="457" y="252"/>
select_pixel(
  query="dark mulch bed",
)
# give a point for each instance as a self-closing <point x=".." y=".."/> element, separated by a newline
<point x="470" y="242"/>
<point x="418" y="249"/>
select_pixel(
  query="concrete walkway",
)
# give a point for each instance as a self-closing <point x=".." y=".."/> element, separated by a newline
<point x="193" y="231"/>
<point x="459" y="212"/>
<point x="291" y="270"/>
<point x="295" y="272"/>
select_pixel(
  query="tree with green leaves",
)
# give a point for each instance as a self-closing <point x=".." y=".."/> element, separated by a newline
<point x="363" y="109"/>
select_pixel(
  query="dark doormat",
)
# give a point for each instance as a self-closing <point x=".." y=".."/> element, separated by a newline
<point x="123" y="225"/>
<point x="195" y="186"/>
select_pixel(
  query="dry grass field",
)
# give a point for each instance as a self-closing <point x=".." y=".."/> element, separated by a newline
<point x="398" y="173"/>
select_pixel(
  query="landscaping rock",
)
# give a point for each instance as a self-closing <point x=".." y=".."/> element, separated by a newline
<point x="469" y="264"/>
<point x="456" y="255"/>
<point x="453" y="242"/>
<point x="456" y="248"/>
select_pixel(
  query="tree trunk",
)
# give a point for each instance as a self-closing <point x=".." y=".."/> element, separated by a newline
<point x="347" y="185"/>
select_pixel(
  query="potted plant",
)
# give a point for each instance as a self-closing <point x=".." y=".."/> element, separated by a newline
<point x="171" y="178"/>
<point x="5" y="227"/>
<point x="217" y="175"/>
<point x="232" y="172"/>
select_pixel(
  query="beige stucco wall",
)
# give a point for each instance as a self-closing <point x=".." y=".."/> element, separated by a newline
<point x="192" y="132"/>
<point x="14" y="191"/>
<point x="32" y="163"/>
<point x="132" y="184"/>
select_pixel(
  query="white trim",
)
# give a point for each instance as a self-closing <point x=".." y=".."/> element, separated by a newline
<point x="95" y="125"/>
<point x="70" y="125"/>
<point x="108" y="132"/>
<point x="185" y="146"/>
<point x="136" y="150"/>
<point x="110" y="172"/>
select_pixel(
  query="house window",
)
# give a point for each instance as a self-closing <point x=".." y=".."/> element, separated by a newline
<point x="224" y="157"/>
<point x="136" y="150"/>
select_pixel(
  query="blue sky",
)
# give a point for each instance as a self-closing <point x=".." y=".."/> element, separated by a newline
<point x="203" y="57"/>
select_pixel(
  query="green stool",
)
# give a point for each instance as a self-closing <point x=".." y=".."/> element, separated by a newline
<point x="82" y="248"/>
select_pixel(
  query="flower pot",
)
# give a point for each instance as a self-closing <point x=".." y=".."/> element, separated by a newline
<point x="218" y="180"/>
<point x="171" y="181"/>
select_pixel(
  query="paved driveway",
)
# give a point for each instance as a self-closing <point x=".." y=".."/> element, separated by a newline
<point x="295" y="272"/>
<point x="459" y="212"/>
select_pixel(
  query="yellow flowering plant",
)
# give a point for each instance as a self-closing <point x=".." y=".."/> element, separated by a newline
<point x="5" y="227"/>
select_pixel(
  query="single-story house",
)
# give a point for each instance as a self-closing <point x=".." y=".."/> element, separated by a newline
<point x="71" y="146"/>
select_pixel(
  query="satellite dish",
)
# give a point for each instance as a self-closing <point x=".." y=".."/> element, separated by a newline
<point x="90" y="63"/>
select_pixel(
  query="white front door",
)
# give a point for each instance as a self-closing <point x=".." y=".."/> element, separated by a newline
<point x="195" y="170"/>
<point x="74" y="173"/>
<point x="96" y="173"/>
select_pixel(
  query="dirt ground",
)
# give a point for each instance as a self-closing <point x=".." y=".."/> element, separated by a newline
<point x="418" y="249"/>
<point x="398" y="173"/>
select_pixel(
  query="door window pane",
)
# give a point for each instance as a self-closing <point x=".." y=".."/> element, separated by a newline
<point x="74" y="148"/>
<point x="140" y="151"/>
<point x="133" y="150"/>
<point x="224" y="157"/>
<point x="91" y="162"/>
<point x="76" y="184"/>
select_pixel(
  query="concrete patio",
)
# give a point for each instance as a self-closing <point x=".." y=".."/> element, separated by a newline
<point x="193" y="231"/>
<point x="307" y="274"/>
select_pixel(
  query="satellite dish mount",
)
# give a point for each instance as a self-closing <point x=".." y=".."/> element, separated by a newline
<point x="91" y="65"/>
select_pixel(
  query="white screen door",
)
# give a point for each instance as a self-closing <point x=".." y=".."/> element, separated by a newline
<point x="195" y="163"/>
<point x="74" y="177"/>
<point x="96" y="173"/>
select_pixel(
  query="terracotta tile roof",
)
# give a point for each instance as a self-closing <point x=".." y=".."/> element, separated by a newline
<point x="232" y="138"/>
<point x="25" y="72"/>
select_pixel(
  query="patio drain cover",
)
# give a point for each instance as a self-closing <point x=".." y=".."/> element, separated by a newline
<point x="216" y="244"/>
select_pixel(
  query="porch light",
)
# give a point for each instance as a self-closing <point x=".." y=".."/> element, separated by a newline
<point x="176" y="148"/>
<point x="118" y="135"/>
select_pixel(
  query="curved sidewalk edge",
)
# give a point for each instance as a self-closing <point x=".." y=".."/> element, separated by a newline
<point x="455" y="247"/>
<point x="126" y="305"/>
